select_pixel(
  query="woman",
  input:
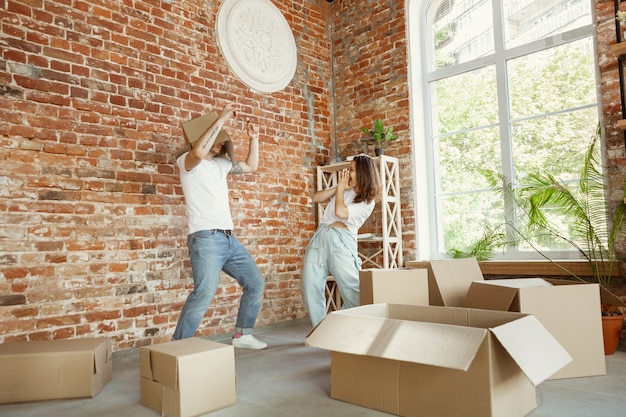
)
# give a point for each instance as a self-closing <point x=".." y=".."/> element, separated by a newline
<point x="333" y="249"/>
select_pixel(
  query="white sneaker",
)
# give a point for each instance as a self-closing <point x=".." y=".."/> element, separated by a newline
<point x="247" y="341"/>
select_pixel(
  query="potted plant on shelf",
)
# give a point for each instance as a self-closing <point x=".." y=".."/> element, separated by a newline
<point x="590" y="228"/>
<point x="379" y="136"/>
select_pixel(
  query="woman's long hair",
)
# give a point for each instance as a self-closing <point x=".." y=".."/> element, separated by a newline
<point x="368" y="179"/>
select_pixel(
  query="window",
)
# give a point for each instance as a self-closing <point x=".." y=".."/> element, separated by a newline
<point x="509" y="86"/>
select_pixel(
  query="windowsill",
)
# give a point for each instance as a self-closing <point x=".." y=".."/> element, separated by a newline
<point x="542" y="268"/>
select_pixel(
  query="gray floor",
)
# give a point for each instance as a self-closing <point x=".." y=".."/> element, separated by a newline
<point x="289" y="379"/>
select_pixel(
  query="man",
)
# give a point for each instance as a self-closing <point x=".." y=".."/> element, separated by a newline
<point x="212" y="245"/>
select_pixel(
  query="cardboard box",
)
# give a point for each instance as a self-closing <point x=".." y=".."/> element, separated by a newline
<point x="430" y="361"/>
<point x="570" y="310"/>
<point x="193" y="128"/>
<point x="394" y="286"/>
<point x="47" y="370"/>
<point x="449" y="279"/>
<point x="187" y="377"/>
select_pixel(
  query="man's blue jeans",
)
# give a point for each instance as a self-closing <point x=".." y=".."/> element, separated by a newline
<point x="211" y="252"/>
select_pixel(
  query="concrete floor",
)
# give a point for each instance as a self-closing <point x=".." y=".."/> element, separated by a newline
<point x="289" y="379"/>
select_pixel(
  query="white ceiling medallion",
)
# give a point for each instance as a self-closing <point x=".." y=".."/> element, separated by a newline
<point x="257" y="43"/>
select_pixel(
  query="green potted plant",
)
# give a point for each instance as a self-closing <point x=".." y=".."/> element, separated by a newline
<point x="379" y="136"/>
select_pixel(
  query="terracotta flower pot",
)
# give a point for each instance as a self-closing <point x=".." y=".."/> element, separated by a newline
<point x="612" y="332"/>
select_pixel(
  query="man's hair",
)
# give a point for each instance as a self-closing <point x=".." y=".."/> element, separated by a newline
<point x="368" y="179"/>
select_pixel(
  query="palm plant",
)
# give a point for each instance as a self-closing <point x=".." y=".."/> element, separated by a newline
<point x="591" y="231"/>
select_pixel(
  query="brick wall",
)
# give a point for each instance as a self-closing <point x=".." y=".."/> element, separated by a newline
<point x="92" y="220"/>
<point x="610" y="101"/>
<point x="93" y="223"/>
<point x="370" y="76"/>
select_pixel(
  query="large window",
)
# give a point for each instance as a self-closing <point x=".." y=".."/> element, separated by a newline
<point x="510" y="87"/>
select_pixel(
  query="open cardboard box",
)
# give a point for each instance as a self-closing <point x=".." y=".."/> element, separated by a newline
<point x="430" y="361"/>
<point x="395" y="286"/>
<point x="54" y="369"/>
<point x="570" y="310"/>
<point x="187" y="377"/>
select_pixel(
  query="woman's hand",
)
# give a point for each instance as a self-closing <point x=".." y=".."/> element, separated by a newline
<point x="343" y="178"/>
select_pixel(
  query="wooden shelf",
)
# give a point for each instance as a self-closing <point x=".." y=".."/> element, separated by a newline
<point x="619" y="49"/>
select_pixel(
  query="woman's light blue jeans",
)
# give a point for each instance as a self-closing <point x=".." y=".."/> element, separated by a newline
<point x="331" y="251"/>
<point x="211" y="252"/>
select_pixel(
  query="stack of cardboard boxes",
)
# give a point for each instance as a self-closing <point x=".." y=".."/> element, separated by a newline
<point x="471" y="348"/>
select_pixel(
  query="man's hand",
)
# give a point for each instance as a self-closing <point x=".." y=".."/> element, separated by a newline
<point x="253" y="130"/>
<point x="228" y="112"/>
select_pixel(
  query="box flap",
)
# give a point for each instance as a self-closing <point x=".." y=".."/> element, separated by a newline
<point x="607" y="297"/>
<point x="538" y="354"/>
<point x="490" y="297"/>
<point x="453" y="278"/>
<point x="432" y="344"/>
<point x="519" y="282"/>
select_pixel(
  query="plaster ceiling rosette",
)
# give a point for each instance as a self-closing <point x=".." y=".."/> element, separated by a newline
<point x="257" y="43"/>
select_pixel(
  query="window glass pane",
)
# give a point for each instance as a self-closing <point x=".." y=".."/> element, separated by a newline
<point x="554" y="79"/>
<point x="462" y="226"/>
<point x="529" y="20"/>
<point x="463" y="155"/>
<point x="466" y="101"/>
<point x="462" y="31"/>
<point x="556" y="144"/>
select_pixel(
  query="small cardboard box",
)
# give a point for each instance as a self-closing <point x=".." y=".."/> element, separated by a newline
<point x="47" y="370"/>
<point x="430" y="361"/>
<point x="394" y="286"/>
<point x="570" y="310"/>
<point x="449" y="279"/>
<point x="187" y="377"/>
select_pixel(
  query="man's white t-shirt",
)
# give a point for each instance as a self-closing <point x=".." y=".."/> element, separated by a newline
<point x="357" y="213"/>
<point x="206" y="193"/>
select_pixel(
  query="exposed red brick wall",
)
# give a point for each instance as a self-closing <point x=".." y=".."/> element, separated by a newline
<point x="93" y="222"/>
<point x="610" y="100"/>
<point x="92" y="219"/>
<point x="370" y="77"/>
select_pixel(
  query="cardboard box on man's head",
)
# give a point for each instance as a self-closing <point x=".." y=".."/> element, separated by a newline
<point x="54" y="369"/>
<point x="570" y="310"/>
<point x="431" y="361"/>
<point x="187" y="377"/>
<point x="192" y="129"/>
<point x="449" y="279"/>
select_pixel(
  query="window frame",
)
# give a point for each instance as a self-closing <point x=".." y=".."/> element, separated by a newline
<point x="422" y="74"/>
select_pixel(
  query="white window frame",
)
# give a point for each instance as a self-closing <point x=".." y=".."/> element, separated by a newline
<point x="420" y="76"/>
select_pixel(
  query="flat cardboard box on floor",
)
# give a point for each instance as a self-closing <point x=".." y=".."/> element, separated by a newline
<point x="394" y="286"/>
<point x="432" y="361"/>
<point x="570" y="310"/>
<point x="54" y="369"/>
<point x="187" y="377"/>
<point x="449" y="279"/>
